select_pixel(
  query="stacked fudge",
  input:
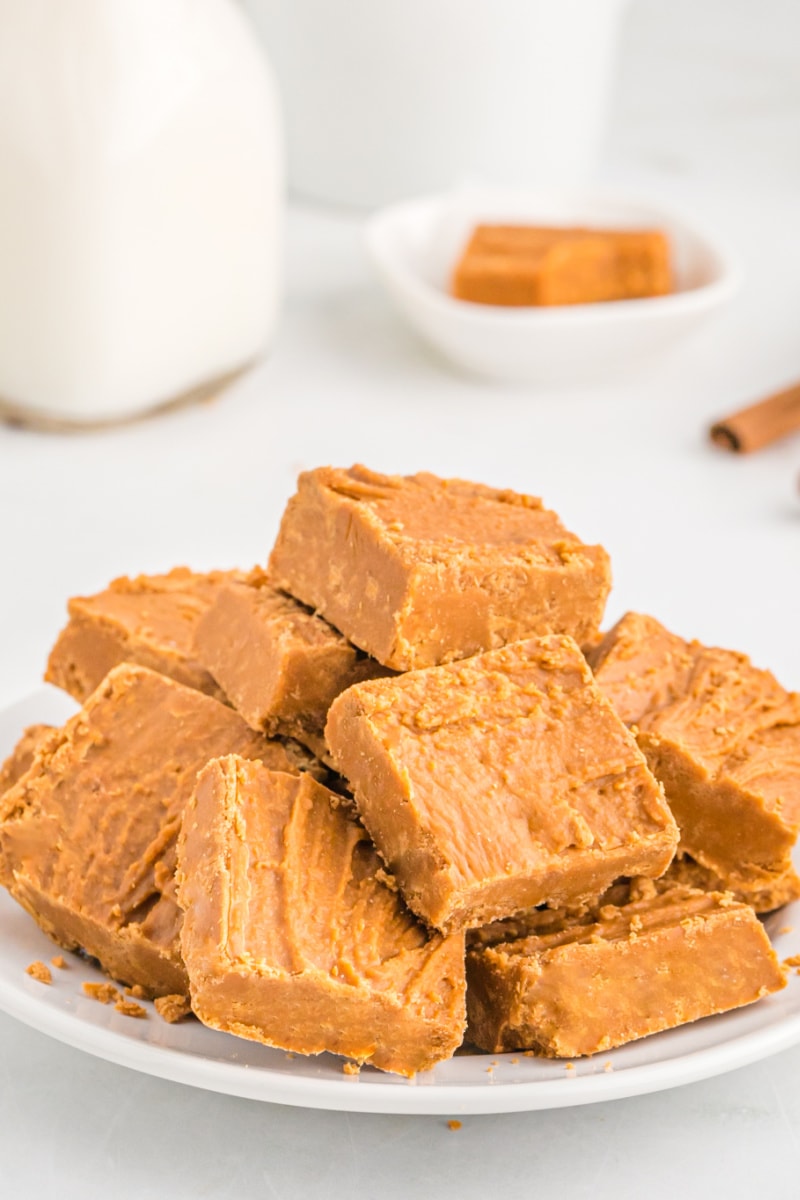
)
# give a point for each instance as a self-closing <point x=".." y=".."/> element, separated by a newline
<point x="375" y="795"/>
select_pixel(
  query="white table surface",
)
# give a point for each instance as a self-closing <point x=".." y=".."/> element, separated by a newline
<point x="708" y="117"/>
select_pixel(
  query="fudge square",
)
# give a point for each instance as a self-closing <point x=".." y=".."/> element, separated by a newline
<point x="291" y="937"/>
<point x="498" y="783"/>
<point x="87" y="837"/>
<point x="279" y="664"/>
<point x="724" y="739"/>
<point x="417" y="570"/>
<point x="148" y="620"/>
<point x="533" y="265"/>
<point x="648" y="961"/>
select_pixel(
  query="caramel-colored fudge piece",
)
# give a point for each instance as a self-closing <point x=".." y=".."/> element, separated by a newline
<point x="644" y="965"/>
<point x="279" y="664"/>
<point x="87" y="840"/>
<point x="150" y="620"/>
<point x="521" y="265"/>
<point x="291" y="938"/>
<point x="21" y="757"/>
<point x="499" y="783"/>
<point x="417" y="570"/>
<point x="723" y="738"/>
<point x="782" y="890"/>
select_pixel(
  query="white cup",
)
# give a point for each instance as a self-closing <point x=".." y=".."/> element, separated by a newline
<point x="385" y="98"/>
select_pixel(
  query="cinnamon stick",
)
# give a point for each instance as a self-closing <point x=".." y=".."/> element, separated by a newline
<point x="759" y="424"/>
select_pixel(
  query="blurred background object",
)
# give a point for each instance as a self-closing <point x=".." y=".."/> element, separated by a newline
<point x="141" y="183"/>
<point x="415" y="245"/>
<point x="759" y="424"/>
<point x="386" y="98"/>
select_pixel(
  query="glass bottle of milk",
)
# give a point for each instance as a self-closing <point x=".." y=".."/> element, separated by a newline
<point x="141" y="185"/>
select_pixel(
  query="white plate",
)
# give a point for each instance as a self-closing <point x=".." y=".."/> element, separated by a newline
<point x="469" y="1083"/>
<point x="415" y="245"/>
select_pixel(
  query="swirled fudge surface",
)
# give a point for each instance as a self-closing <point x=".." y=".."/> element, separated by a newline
<point x="724" y="739"/>
<point x="290" y="935"/>
<point x="279" y="664"/>
<point x="417" y="570"/>
<point x="498" y="783"/>
<point x="149" y="619"/>
<point x="643" y="962"/>
<point x="87" y="839"/>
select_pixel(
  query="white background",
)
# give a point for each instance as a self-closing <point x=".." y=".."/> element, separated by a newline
<point x="707" y="116"/>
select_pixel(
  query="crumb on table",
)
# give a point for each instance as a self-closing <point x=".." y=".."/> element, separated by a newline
<point x="454" y="1125"/>
<point x="104" y="993"/>
<point x="351" y="1068"/>
<point x="38" y="970"/>
<point x="792" y="961"/>
<point x="59" y="961"/>
<point x="173" y="1008"/>
<point x="137" y="991"/>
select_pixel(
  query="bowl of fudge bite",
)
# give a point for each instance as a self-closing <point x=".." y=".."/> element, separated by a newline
<point x="553" y="287"/>
<point x="395" y="791"/>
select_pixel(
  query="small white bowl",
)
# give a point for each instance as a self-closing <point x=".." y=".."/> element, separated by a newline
<point x="415" y="246"/>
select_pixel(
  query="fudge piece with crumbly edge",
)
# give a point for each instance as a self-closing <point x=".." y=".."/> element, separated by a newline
<point x="724" y="739"/>
<point x="783" y="889"/>
<point x="21" y="757"/>
<point x="87" y="838"/>
<point x="500" y="782"/>
<point x="149" y="620"/>
<point x="279" y="664"/>
<point x="646" y="963"/>
<point x="291" y="938"/>
<point x="417" y="570"/>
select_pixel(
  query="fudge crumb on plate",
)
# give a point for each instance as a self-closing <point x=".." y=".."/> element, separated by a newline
<point x="104" y="993"/>
<point x="129" y="1008"/>
<point x="38" y="970"/>
<point x="173" y="1008"/>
